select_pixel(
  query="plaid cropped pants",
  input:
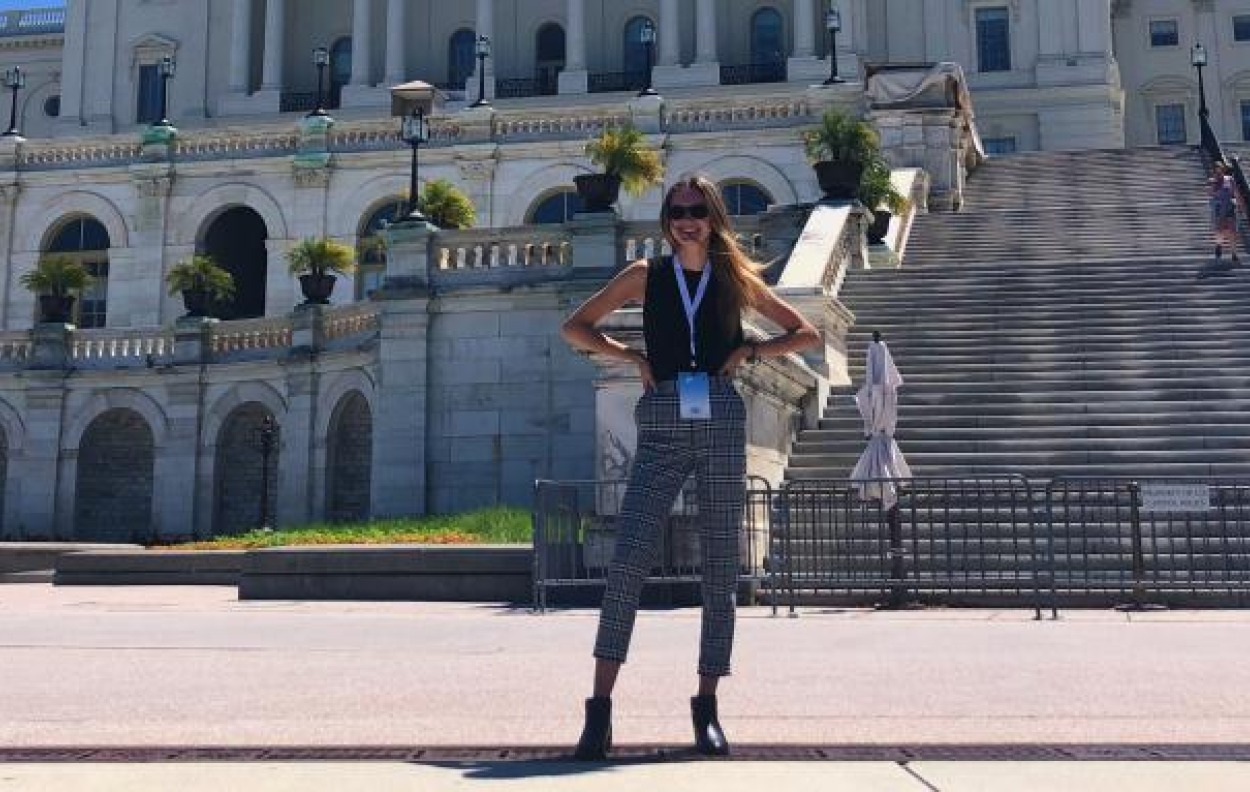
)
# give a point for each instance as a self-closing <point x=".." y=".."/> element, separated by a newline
<point x="669" y="450"/>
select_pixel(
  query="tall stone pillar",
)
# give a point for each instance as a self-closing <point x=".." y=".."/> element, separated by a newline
<point x="574" y="79"/>
<point x="275" y="28"/>
<point x="362" y="42"/>
<point x="240" y="46"/>
<point x="73" y="62"/>
<point x="668" y="72"/>
<point x="670" y="33"/>
<point x="705" y="48"/>
<point x="396" y="55"/>
<point x="804" y="66"/>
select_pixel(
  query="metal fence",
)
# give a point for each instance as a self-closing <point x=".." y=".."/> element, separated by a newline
<point x="977" y="540"/>
<point x="1144" y="541"/>
<point x="575" y="534"/>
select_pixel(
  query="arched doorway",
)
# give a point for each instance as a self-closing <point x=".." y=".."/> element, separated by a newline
<point x="461" y="54"/>
<point x="116" y="467"/>
<point x="768" y="46"/>
<point x="243" y="472"/>
<point x="636" y="61"/>
<point x="86" y="240"/>
<point x="549" y="59"/>
<point x="349" y="461"/>
<point x="340" y="69"/>
<point x="236" y="240"/>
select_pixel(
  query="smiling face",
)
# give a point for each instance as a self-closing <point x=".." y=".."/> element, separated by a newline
<point x="687" y="217"/>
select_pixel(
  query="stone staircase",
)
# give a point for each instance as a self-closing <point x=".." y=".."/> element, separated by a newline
<point x="1053" y="328"/>
<point x="1056" y="327"/>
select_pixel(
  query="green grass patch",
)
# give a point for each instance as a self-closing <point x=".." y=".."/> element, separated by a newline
<point x="497" y="525"/>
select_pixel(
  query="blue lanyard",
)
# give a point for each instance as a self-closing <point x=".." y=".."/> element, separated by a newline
<point x="692" y="306"/>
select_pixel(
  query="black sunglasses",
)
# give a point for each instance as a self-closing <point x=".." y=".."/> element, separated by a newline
<point x="694" y="212"/>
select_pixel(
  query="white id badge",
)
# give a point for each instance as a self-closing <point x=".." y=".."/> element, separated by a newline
<point x="695" y="391"/>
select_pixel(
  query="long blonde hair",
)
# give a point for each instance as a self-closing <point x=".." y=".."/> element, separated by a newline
<point x="738" y="270"/>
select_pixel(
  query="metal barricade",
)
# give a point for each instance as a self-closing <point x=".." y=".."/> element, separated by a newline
<point x="949" y="541"/>
<point x="1146" y="541"/>
<point x="574" y="526"/>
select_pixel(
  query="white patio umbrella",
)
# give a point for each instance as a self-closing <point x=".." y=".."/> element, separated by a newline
<point x="877" y="400"/>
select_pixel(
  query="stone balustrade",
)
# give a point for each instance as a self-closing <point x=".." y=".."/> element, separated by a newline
<point x="749" y="112"/>
<point x="120" y="348"/>
<point x="235" y="144"/>
<point x="32" y="21"/>
<point x="15" y="347"/>
<point x="251" y="335"/>
<point x="351" y="320"/>
<point x="563" y="123"/>
<point x="501" y="248"/>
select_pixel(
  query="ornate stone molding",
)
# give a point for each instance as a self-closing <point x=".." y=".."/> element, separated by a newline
<point x="312" y="178"/>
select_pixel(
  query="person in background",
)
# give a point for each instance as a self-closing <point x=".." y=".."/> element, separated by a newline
<point x="1224" y="213"/>
<point x="690" y="419"/>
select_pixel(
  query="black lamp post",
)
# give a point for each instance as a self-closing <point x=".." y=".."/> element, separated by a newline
<point x="321" y="59"/>
<point x="167" y="68"/>
<point x="833" y="23"/>
<point x="647" y="37"/>
<point x="483" y="52"/>
<point x="266" y="436"/>
<point x="1198" y="57"/>
<point x="415" y="131"/>
<point x="14" y="80"/>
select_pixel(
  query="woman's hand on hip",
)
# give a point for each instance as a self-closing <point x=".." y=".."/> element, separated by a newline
<point x="736" y="359"/>
<point x="645" y="374"/>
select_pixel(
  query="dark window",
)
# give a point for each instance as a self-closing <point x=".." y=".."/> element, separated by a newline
<point x="52" y="106"/>
<point x="1241" y="27"/>
<point x="86" y="241"/>
<point x="1170" y="124"/>
<point x="460" y="58"/>
<point x="1164" y="33"/>
<point x="148" y="103"/>
<point x="340" y="69"/>
<point x="372" y="253"/>
<point x="1245" y="120"/>
<point x="558" y="208"/>
<point x="768" y="44"/>
<point x="635" y="50"/>
<point x="745" y="199"/>
<point x="999" y="145"/>
<point x="549" y="59"/>
<point x="993" y="40"/>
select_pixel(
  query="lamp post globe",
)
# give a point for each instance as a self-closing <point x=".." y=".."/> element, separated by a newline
<point x="415" y="130"/>
<point x="482" y="51"/>
<point x="321" y="59"/>
<point x="14" y="80"/>
<point x="833" y="24"/>
<point x="646" y="36"/>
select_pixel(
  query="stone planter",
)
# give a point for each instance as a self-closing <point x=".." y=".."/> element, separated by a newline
<point x="839" y="180"/>
<point x="55" y="309"/>
<point x="196" y="303"/>
<point x="598" y="191"/>
<point x="317" y="288"/>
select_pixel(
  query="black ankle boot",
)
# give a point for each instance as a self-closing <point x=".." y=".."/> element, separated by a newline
<point x="596" y="738"/>
<point x="709" y="738"/>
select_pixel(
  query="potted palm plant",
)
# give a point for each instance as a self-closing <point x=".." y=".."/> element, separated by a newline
<point x="446" y="206"/>
<point x="840" y="148"/>
<point x="316" y="261"/>
<point x="878" y="193"/>
<point x="202" y="282"/>
<point x="626" y="161"/>
<point x="55" y="280"/>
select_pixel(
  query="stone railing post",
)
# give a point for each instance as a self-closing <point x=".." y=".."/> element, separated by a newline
<point x="193" y="340"/>
<point x="52" y="345"/>
<point x="308" y="329"/>
<point x="595" y="241"/>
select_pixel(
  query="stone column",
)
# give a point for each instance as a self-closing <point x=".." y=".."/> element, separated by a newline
<point x="73" y="61"/>
<point x="485" y="27"/>
<point x="241" y="46"/>
<point x="396" y="56"/>
<point x="670" y="33"/>
<point x="574" y="79"/>
<point x="803" y="66"/>
<point x="707" y="23"/>
<point x="362" y="54"/>
<point x="281" y="287"/>
<point x="275" y="29"/>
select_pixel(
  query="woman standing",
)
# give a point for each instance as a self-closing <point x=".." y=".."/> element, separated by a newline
<point x="690" y="419"/>
<point x="1223" y="213"/>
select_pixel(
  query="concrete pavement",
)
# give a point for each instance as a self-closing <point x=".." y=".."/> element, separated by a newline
<point x="143" y="669"/>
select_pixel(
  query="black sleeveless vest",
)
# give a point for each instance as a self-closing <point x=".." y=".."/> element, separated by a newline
<point x="668" y="333"/>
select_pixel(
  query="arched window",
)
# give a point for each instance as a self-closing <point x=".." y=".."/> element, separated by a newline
<point x="461" y="51"/>
<point x="768" y="38"/>
<point x="549" y="59"/>
<point x="86" y="240"/>
<point x="340" y="69"/>
<point x="556" y="208"/>
<point x="744" y="198"/>
<point x="372" y="252"/>
<point x="635" y="61"/>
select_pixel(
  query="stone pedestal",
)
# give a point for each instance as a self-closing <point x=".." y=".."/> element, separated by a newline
<point x="574" y="82"/>
<point x="594" y="241"/>
<point x="52" y="346"/>
<point x="193" y="340"/>
<point x="646" y="113"/>
<point x="158" y="142"/>
<point x="696" y="75"/>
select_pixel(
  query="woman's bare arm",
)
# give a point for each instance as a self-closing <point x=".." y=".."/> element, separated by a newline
<point x="630" y="285"/>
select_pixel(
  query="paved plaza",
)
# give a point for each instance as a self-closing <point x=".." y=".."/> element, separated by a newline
<point x="299" y="695"/>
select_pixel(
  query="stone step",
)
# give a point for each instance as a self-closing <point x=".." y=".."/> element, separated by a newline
<point x="1041" y="473"/>
<point x="1013" y="460"/>
<point x="913" y="446"/>
<point x="1060" y="429"/>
